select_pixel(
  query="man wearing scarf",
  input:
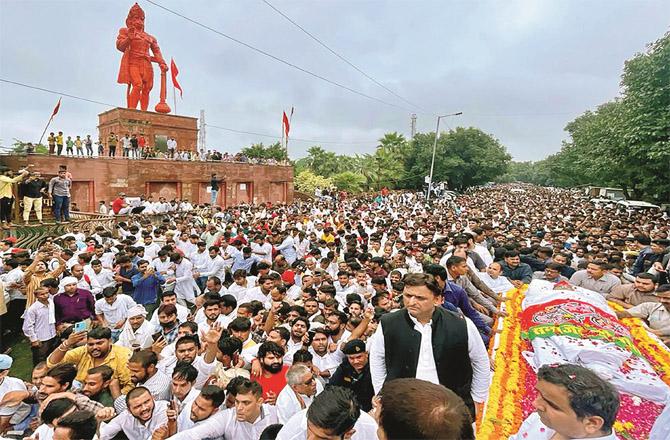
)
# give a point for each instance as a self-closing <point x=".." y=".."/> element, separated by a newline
<point x="137" y="331"/>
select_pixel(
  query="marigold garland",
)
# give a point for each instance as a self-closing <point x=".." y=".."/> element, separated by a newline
<point x="512" y="386"/>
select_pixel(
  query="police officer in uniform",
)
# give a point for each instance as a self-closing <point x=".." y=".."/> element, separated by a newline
<point x="354" y="373"/>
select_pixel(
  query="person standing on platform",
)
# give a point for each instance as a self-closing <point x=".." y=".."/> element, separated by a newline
<point x="134" y="147"/>
<point x="88" y="142"/>
<point x="125" y="145"/>
<point x="51" y="140"/>
<point x="59" y="143"/>
<point x="33" y="189"/>
<point x="111" y="144"/>
<point x="214" y="183"/>
<point x="7" y="178"/>
<point x="171" y="147"/>
<point x="78" y="144"/>
<point x="69" y="146"/>
<point x="59" y="190"/>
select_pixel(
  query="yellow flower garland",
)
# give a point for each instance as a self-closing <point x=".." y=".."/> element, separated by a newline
<point x="502" y="416"/>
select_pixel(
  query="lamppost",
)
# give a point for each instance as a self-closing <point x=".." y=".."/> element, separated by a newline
<point x="432" y="162"/>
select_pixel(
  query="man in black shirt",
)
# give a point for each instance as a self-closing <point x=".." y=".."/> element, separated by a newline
<point x="134" y="147"/>
<point x="214" y="183"/>
<point x="33" y="189"/>
<point x="354" y="373"/>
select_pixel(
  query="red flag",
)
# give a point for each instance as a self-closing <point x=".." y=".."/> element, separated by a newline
<point x="175" y="72"/>
<point x="56" y="109"/>
<point x="287" y="126"/>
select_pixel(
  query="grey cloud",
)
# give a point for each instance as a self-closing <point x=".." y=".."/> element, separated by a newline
<point x="519" y="70"/>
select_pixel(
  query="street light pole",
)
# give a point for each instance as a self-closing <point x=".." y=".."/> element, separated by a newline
<point x="432" y="162"/>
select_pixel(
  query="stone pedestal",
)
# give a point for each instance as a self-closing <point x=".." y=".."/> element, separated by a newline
<point x="155" y="127"/>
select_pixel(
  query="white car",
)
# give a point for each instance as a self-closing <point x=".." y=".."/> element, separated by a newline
<point x="636" y="204"/>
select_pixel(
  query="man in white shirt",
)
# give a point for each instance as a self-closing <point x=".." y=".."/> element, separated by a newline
<point x="103" y="277"/>
<point x="334" y="413"/>
<point x="246" y="421"/>
<point x="259" y="293"/>
<point x="186" y="349"/>
<point x="169" y="297"/>
<point x="262" y="248"/>
<point x="199" y="410"/>
<point x="84" y="281"/>
<point x="411" y="330"/>
<point x="569" y="408"/>
<point x="494" y="279"/>
<point x="140" y="420"/>
<point x="214" y="265"/>
<point x="112" y="310"/>
<point x="300" y="389"/>
<point x="162" y="264"/>
<point x="150" y="248"/>
<point x="201" y="262"/>
<point x="185" y="286"/>
<point x="241" y="284"/>
<point x="323" y="359"/>
<point x="7" y="385"/>
<point x="38" y="326"/>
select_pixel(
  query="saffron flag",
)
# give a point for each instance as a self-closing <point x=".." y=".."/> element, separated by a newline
<point x="287" y="125"/>
<point x="175" y="72"/>
<point x="56" y="108"/>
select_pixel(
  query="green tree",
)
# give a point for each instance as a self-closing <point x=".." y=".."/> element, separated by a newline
<point x="259" y="151"/>
<point x="464" y="157"/>
<point x="307" y="182"/>
<point x="349" y="181"/>
<point x="321" y="162"/>
<point x="19" y="147"/>
<point x="624" y="142"/>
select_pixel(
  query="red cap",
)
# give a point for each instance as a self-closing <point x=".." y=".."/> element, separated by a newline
<point x="288" y="277"/>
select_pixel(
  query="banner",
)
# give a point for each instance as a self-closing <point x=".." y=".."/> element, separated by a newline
<point x="576" y="319"/>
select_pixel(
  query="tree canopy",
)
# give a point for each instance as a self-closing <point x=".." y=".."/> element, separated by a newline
<point x="465" y="157"/>
<point x="259" y="151"/>
<point x="624" y="142"/>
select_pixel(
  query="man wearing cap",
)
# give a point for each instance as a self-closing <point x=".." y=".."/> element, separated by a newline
<point x="354" y="373"/>
<point x="8" y="384"/>
<point x="137" y="331"/>
<point x="73" y="304"/>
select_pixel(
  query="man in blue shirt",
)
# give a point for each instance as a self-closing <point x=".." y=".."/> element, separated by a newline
<point x="245" y="260"/>
<point x="517" y="273"/>
<point x="147" y="285"/>
<point x="126" y="272"/>
<point x="455" y="295"/>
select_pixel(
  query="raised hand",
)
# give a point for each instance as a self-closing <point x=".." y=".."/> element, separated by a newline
<point x="105" y="414"/>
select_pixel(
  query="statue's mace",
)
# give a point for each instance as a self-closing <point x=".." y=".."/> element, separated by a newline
<point x="162" y="106"/>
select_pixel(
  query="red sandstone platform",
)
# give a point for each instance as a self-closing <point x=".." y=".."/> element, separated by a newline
<point x="155" y="127"/>
<point x="99" y="179"/>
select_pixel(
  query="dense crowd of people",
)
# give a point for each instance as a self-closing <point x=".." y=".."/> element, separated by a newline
<point x="134" y="146"/>
<point x="362" y="318"/>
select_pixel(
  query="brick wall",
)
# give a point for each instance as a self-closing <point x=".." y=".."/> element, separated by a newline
<point x="102" y="179"/>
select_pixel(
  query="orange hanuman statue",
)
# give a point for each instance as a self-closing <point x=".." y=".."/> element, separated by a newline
<point x="136" y="70"/>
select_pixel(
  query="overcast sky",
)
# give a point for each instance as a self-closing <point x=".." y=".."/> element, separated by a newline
<point x="519" y="70"/>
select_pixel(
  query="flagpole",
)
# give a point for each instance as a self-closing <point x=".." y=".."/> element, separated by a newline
<point x="174" y="98"/>
<point x="53" y="113"/>
<point x="45" y="129"/>
<point x="290" y="122"/>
